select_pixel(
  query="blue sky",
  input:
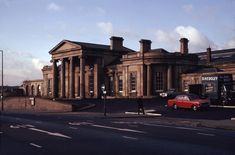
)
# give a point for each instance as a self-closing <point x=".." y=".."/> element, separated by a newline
<point x="30" y="28"/>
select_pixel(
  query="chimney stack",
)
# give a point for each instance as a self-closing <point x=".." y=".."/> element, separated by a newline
<point x="116" y="43"/>
<point x="145" y="45"/>
<point x="208" y="54"/>
<point x="184" y="45"/>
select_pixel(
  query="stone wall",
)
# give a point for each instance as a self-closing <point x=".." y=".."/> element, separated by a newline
<point x="40" y="105"/>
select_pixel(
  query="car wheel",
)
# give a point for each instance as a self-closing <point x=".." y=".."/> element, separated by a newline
<point x="175" y="107"/>
<point x="194" y="108"/>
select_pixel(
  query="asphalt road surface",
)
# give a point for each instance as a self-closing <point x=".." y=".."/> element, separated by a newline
<point x="52" y="134"/>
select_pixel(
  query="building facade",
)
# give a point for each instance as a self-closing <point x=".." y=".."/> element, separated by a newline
<point x="33" y="87"/>
<point x="79" y="69"/>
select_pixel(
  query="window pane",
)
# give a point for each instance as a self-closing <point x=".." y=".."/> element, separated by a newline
<point x="159" y="81"/>
<point x="120" y="87"/>
<point x="133" y="82"/>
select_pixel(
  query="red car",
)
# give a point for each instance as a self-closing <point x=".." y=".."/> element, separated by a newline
<point x="191" y="101"/>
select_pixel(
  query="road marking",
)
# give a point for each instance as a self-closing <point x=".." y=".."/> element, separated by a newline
<point x="1" y="132"/>
<point x="38" y="122"/>
<point x="21" y="126"/>
<point x="147" y="113"/>
<point x="73" y="128"/>
<point x="50" y="133"/>
<point x="174" y="127"/>
<point x="80" y="123"/>
<point x="14" y="126"/>
<point x="35" y="145"/>
<point x="153" y="114"/>
<point x="221" y="106"/>
<point x="119" y="129"/>
<point x="232" y="119"/>
<point x="206" y="134"/>
<point x="128" y="137"/>
<point x="150" y="110"/>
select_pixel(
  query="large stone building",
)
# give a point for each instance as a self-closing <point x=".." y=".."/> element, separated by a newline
<point x="79" y="69"/>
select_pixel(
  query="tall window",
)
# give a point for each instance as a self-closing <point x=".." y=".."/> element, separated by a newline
<point x="159" y="81"/>
<point x="133" y="81"/>
<point x="111" y="86"/>
<point x="120" y="86"/>
<point x="49" y="87"/>
<point x="91" y="84"/>
<point x="186" y="85"/>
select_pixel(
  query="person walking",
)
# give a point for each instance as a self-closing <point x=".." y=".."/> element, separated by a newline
<point x="140" y="105"/>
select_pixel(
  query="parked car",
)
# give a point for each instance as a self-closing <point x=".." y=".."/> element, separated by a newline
<point x="171" y="93"/>
<point x="191" y="101"/>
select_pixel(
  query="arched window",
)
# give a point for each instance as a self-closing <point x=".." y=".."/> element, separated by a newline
<point x="27" y="90"/>
<point x="38" y="90"/>
<point x="32" y="90"/>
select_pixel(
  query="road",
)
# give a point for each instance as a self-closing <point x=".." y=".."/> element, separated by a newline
<point x="67" y="133"/>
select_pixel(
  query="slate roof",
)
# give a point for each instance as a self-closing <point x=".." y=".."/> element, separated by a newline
<point x="97" y="46"/>
<point x="218" y="56"/>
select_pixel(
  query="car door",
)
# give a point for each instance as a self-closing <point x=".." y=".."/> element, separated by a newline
<point x="186" y="102"/>
<point x="180" y="100"/>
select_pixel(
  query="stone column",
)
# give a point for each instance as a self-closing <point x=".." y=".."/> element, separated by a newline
<point x="82" y="77"/>
<point x="55" y="80"/>
<point x="97" y="77"/>
<point x="169" y="77"/>
<point x="62" y="78"/>
<point x="71" y="82"/>
<point x="125" y="81"/>
<point x="149" y="80"/>
<point x="76" y="80"/>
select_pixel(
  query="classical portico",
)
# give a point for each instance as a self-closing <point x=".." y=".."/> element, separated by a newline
<point x="68" y="77"/>
<point x="78" y="68"/>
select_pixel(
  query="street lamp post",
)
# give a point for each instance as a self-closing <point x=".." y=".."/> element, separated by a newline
<point x="2" y="82"/>
<point x="104" y="96"/>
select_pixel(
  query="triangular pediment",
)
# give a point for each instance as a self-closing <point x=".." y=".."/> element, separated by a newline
<point x="64" y="46"/>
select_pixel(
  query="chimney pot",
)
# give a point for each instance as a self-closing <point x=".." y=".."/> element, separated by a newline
<point x="145" y="45"/>
<point x="208" y="54"/>
<point x="116" y="43"/>
<point x="184" y="45"/>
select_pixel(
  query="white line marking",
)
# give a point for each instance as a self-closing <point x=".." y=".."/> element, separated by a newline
<point x="153" y="114"/>
<point x="232" y="119"/>
<point x="119" y="129"/>
<point x="35" y="145"/>
<point x="1" y="132"/>
<point x="131" y="138"/>
<point x="206" y="134"/>
<point x="147" y="113"/>
<point x="14" y="127"/>
<point x="174" y="127"/>
<point x="80" y="123"/>
<point x="73" y="128"/>
<point x="50" y="133"/>
<point x="220" y="106"/>
<point x="38" y="122"/>
<point x="150" y="110"/>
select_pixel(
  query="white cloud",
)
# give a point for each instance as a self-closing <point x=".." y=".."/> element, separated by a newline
<point x="197" y="40"/>
<point x="105" y="27"/>
<point x="54" y="7"/>
<point x="231" y="43"/>
<point x="163" y="36"/>
<point x="188" y="8"/>
<point x="20" y="66"/>
<point x="37" y="63"/>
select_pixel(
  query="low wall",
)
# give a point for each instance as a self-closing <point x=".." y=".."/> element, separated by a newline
<point x="39" y="105"/>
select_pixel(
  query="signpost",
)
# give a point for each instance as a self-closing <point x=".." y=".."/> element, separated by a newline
<point x="104" y="97"/>
<point x="2" y="82"/>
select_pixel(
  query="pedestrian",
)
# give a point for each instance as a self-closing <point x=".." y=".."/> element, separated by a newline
<point x="140" y="105"/>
